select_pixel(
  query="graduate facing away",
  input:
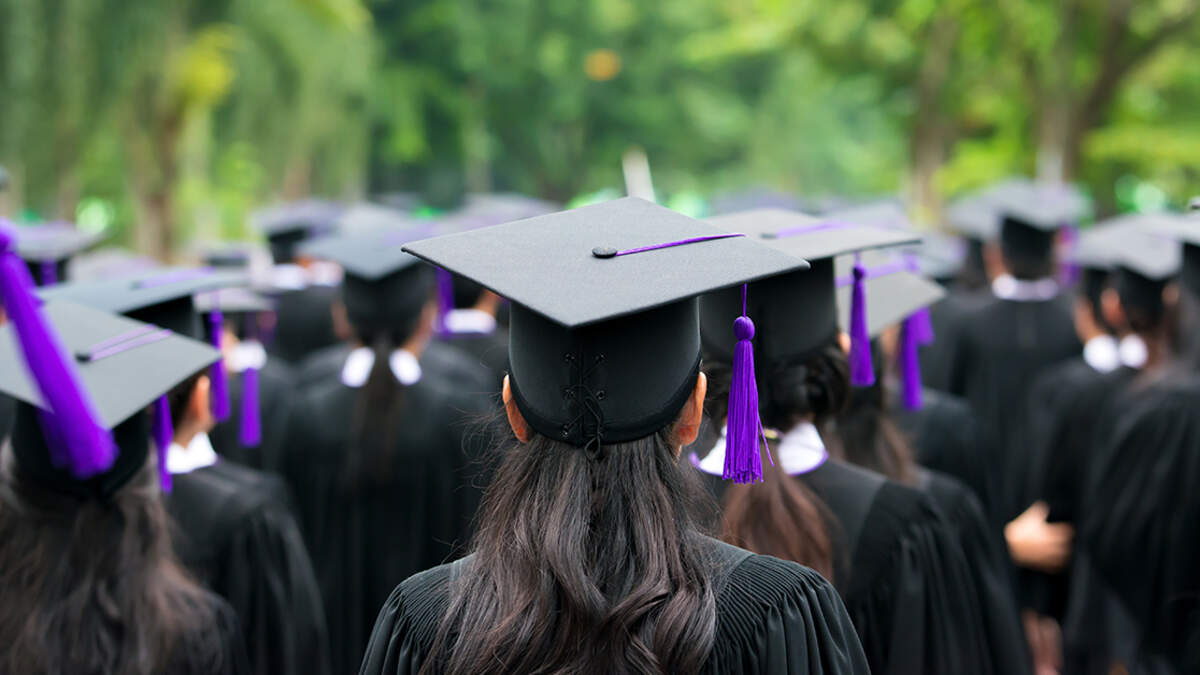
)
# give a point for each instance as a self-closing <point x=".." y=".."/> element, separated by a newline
<point x="587" y="558"/>
<point x="87" y="573"/>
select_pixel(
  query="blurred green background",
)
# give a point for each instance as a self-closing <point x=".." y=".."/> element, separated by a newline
<point x="165" y="121"/>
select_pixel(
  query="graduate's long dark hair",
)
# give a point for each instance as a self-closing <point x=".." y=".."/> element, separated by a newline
<point x="783" y="517"/>
<point x="865" y="434"/>
<point x="92" y="586"/>
<point x="584" y="562"/>
<point x="380" y="401"/>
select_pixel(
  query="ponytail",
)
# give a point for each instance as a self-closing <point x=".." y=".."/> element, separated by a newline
<point x="373" y="430"/>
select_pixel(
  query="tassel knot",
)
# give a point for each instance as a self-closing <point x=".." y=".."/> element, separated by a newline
<point x="743" y="328"/>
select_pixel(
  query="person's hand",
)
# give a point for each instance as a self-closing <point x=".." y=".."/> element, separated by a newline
<point x="1036" y="544"/>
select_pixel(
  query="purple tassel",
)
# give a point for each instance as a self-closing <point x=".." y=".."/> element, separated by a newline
<point x="220" y="381"/>
<point x="250" y="434"/>
<point x="49" y="272"/>
<point x="862" y="370"/>
<point x="86" y="447"/>
<point x="910" y="364"/>
<point x="922" y="325"/>
<point x="1069" y="273"/>
<point x="445" y="299"/>
<point x="164" y="435"/>
<point x="743" y="462"/>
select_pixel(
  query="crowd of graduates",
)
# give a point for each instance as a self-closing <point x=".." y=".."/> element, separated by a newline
<point x="515" y="438"/>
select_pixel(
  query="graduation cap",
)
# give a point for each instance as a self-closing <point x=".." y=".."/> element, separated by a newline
<point x="163" y="298"/>
<point x="1184" y="229"/>
<point x="243" y="306"/>
<point x="286" y="225"/>
<point x="47" y="248"/>
<point x="604" y="343"/>
<point x="799" y="310"/>
<point x="81" y="376"/>
<point x="896" y="295"/>
<point x="384" y="288"/>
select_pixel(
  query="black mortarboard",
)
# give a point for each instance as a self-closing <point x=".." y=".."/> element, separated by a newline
<point x="365" y="217"/>
<point x="892" y="296"/>
<point x="47" y="248"/>
<point x="1043" y="207"/>
<point x="797" y="312"/>
<point x="122" y="366"/>
<point x="233" y="300"/>
<point x="604" y="339"/>
<point x="384" y="288"/>
<point x="286" y="225"/>
<point x="1185" y="230"/>
<point x="161" y="297"/>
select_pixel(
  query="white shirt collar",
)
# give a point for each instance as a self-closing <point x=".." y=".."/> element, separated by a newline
<point x="1008" y="287"/>
<point x="1101" y="353"/>
<point x="799" y="451"/>
<point x="197" y="455"/>
<point x="289" y="277"/>
<point x="360" y="362"/>
<point x="1132" y="351"/>
<point x="470" y="321"/>
<point x="247" y="354"/>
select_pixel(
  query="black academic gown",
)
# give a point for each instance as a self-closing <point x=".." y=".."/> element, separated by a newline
<point x="236" y="535"/>
<point x="225" y="634"/>
<point x="1003" y="346"/>
<point x="1138" y="521"/>
<point x="945" y="436"/>
<point x="441" y="359"/>
<point x="772" y="617"/>
<point x="276" y="387"/>
<point x="988" y="562"/>
<point x="901" y="572"/>
<point x="487" y="350"/>
<point x="947" y="316"/>
<point x="365" y="539"/>
<point x="8" y="411"/>
<point x="304" y="322"/>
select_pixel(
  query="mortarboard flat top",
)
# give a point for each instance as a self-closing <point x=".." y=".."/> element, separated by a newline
<point x="232" y="301"/>
<point x="810" y="237"/>
<point x="52" y="242"/>
<point x="368" y="255"/>
<point x="886" y="214"/>
<point x="1044" y="206"/>
<point x="365" y="217"/>
<point x="890" y="299"/>
<point x="130" y="294"/>
<point x="1140" y="243"/>
<point x="122" y="382"/>
<point x="307" y="215"/>
<point x="547" y="263"/>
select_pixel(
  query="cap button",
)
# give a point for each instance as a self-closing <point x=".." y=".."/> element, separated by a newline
<point x="604" y="252"/>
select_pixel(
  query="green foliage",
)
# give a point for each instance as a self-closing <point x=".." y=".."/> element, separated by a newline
<point x="171" y="119"/>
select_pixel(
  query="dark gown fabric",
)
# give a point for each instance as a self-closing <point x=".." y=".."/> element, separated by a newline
<point x="236" y="535"/>
<point x="276" y="386"/>
<point x="1003" y="346"/>
<point x="8" y="410"/>
<point x="366" y="538"/>
<point x="947" y="317"/>
<point x="988" y="562"/>
<point x="773" y="617"/>
<point x="444" y="360"/>
<point x="488" y="350"/>
<point x="1138" y="522"/>
<point x="945" y="435"/>
<point x="901" y="572"/>
<point x="303" y="322"/>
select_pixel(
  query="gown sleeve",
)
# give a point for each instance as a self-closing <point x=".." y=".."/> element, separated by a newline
<point x="407" y="625"/>
<point x="781" y="618"/>
<point x="270" y="582"/>
<point x="912" y="597"/>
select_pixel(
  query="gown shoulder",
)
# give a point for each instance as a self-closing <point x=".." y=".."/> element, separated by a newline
<point x="773" y="616"/>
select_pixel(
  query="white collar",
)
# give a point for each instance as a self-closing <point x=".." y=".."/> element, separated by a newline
<point x="289" y="277"/>
<point x="1101" y="353"/>
<point x="246" y="355"/>
<point x="1008" y="287"/>
<point x="470" y="321"/>
<point x="360" y="362"/>
<point x="799" y="451"/>
<point x="197" y="455"/>
<point x="1133" y="352"/>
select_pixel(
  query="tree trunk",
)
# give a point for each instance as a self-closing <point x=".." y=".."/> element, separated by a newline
<point x="930" y="133"/>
